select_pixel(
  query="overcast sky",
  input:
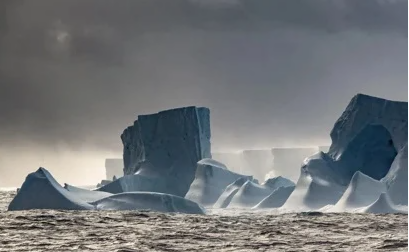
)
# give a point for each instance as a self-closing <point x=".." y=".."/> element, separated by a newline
<point x="74" y="74"/>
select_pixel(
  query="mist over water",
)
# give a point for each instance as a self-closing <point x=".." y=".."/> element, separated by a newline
<point x="74" y="74"/>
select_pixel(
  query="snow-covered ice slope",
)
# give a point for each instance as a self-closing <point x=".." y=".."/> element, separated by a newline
<point x="167" y="146"/>
<point x="158" y="202"/>
<point x="276" y="199"/>
<point x="361" y="192"/>
<point x="316" y="187"/>
<point x="211" y="179"/>
<point x="397" y="178"/>
<point x="85" y="194"/>
<point x="41" y="191"/>
<point x="249" y="195"/>
<point x="224" y="200"/>
<point x="383" y="205"/>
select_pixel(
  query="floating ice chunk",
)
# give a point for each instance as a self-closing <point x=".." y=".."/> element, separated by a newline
<point x="158" y="202"/>
<point x="383" y="205"/>
<point x="362" y="191"/>
<point x="249" y="195"/>
<point x="224" y="200"/>
<point x="397" y="178"/>
<point x="85" y="194"/>
<point x="277" y="198"/>
<point x="41" y="191"/>
<point x="211" y="179"/>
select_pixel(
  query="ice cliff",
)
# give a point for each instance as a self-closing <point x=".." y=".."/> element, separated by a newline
<point x="366" y="138"/>
<point x="161" y="151"/>
<point x="211" y="179"/>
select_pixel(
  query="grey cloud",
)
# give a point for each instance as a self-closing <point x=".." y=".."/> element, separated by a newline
<point x="274" y="73"/>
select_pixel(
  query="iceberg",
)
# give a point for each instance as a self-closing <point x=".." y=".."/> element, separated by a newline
<point x="85" y="194"/>
<point x="361" y="192"/>
<point x="365" y="139"/>
<point x="158" y="202"/>
<point x="383" y="205"/>
<point x="277" y="182"/>
<point x="249" y="195"/>
<point x="161" y="151"/>
<point x="316" y="186"/>
<point x="114" y="167"/>
<point x="397" y="178"/>
<point x="276" y="199"/>
<point x="211" y="178"/>
<point x="41" y="191"/>
<point x="224" y="200"/>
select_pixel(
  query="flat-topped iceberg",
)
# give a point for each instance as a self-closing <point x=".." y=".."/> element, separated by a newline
<point x="164" y="149"/>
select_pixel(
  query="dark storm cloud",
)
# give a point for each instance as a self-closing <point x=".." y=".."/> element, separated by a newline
<point x="76" y="73"/>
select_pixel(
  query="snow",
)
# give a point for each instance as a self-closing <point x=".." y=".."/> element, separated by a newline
<point x="85" y="194"/>
<point x="41" y="191"/>
<point x="361" y="192"/>
<point x="167" y="146"/>
<point x="249" y="195"/>
<point x="224" y="200"/>
<point x="397" y="178"/>
<point x="383" y="205"/>
<point x="277" y="198"/>
<point x="114" y="167"/>
<point x="211" y="179"/>
<point x="158" y="202"/>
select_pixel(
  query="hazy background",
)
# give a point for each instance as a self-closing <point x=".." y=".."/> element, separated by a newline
<point x="75" y="73"/>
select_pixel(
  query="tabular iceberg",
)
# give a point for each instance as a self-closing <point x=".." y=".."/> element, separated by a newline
<point x="161" y="151"/>
<point x="211" y="179"/>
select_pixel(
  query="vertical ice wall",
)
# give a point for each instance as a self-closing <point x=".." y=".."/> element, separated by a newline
<point x="168" y="145"/>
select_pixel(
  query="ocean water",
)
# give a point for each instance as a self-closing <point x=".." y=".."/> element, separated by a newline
<point x="49" y="230"/>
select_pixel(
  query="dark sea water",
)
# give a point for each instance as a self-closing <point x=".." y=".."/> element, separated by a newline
<point x="48" y="230"/>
